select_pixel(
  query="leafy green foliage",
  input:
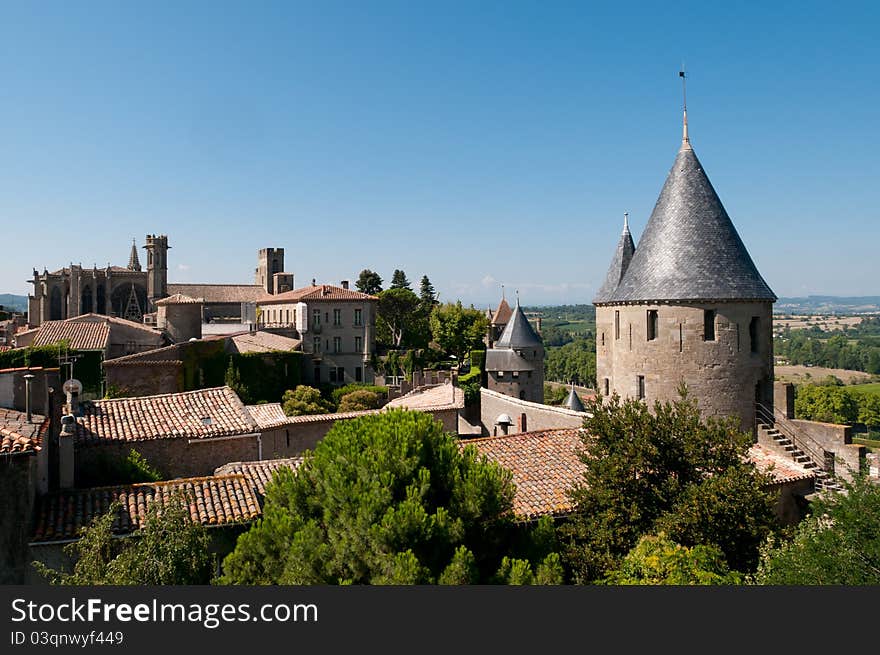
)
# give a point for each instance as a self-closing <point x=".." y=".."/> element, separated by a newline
<point x="399" y="323"/>
<point x="337" y="393"/>
<point x="359" y="400"/>
<point x="384" y="499"/>
<point x="168" y="550"/>
<point x="369" y="282"/>
<point x="575" y="361"/>
<point x="838" y="545"/>
<point x="233" y="381"/>
<point x="471" y="381"/>
<point x="106" y="470"/>
<point x="304" y="400"/>
<point x="664" y="469"/>
<point x="554" y="394"/>
<point x="657" y="560"/>
<point x="458" y="330"/>
<point x="830" y="404"/>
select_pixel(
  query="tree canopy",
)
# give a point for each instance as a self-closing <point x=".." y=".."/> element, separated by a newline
<point x="400" y="324"/>
<point x="427" y="294"/>
<point x="458" y="330"/>
<point x="390" y="499"/>
<point x="369" y="282"/>
<point x="168" y="550"/>
<point x="304" y="400"/>
<point x="664" y="470"/>
<point x="839" y="544"/>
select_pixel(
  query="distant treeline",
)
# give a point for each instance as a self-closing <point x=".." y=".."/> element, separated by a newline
<point x="856" y="349"/>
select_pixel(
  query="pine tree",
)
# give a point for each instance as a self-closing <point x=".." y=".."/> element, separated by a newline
<point x="399" y="281"/>
<point x="427" y="295"/>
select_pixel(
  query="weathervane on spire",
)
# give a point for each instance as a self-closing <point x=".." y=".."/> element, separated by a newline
<point x="684" y="134"/>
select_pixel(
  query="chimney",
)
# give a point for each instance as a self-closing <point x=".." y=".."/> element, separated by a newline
<point x="344" y="284"/>
<point x="521" y="424"/>
<point x="65" y="452"/>
<point x="72" y="388"/>
<point x="28" y="399"/>
<point x="313" y="282"/>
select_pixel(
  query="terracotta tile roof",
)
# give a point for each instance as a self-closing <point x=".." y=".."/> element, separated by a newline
<point x="179" y="299"/>
<point x="17" y="436"/>
<point x="259" y="473"/>
<point x="213" y="501"/>
<point x="81" y="335"/>
<point x="315" y="292"/>
<point x="502" y="315"/>
<point x="781" y="469"/>
<point x="320" y="418"/>
<point x="545" y="465"/>
<point x="268" y="415"/>
<point x="436" y="397"/>
<point x="219" y="293"/>
<point x="201" y="414"/>
<point x="261" y="342"/>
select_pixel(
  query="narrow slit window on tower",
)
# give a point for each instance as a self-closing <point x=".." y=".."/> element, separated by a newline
<point x="652" y="324"/>
<point x="603" y="338"/>
<point x="630" y="336"/>
<point x="708" y="325"/>
<point x="617" y="324"/>
<point x="680" y="338"/>
<point x="607" y="386"/>
<point x="753" y="333"/>
<point x="640" y="381"/>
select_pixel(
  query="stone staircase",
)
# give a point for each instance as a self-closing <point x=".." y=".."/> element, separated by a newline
<point x="824" y="480"/>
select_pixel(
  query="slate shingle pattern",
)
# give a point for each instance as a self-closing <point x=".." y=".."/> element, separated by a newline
<point x="212" y="501"/>
<point x="518" y="333"/>
<point x="690" y="249"/>
<point x="201" y="414"/>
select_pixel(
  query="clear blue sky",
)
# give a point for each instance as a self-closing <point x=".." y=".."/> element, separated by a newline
<point x="479" y="142"/>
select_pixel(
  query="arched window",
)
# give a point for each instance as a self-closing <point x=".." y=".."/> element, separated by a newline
<point x="86" y="302"/>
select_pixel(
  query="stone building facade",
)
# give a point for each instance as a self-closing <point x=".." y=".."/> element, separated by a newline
<point x="686" y="305"/>
<point x="337" y="326"/>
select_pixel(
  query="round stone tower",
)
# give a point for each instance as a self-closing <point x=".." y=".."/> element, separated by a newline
<point x="515" y="363"/>
<point x="686" y="305"/>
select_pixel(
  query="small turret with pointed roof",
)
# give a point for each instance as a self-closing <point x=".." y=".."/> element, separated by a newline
<point x="619" y="263"/>
<point x="573" y="401"/>
<point x="518" y="333"/>
<point x="134" y="263"/>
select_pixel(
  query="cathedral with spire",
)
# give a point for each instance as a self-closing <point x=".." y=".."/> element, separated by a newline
<point x="686" y="305"/>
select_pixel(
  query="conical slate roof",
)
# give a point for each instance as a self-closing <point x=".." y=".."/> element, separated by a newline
<point x="622" y="257"/>
<point x="573" y="402"/>
<point x="518" y="333"/>
<point x="690" y="250"/>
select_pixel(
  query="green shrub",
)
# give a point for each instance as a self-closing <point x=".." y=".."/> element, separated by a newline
<point x="108" y="470"/>
<point x="359" y="400"/>
<point x="337" y="394"/>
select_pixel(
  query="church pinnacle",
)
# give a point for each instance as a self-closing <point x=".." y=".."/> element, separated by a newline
<point x="134" y="263"/>
<point x="685" y="141"/>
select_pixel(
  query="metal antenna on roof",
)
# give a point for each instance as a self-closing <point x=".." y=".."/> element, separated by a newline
<point x="685" y="141"/>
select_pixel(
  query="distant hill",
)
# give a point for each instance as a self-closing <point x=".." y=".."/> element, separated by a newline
<point x="16" y="303"/>
<point x="828" y="305"/>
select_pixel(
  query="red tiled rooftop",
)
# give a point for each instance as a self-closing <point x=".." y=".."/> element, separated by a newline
<point x="17" y="435"/>
<point x="315" y="292"/>
<point x="436" y="397"/>
<point x="544" y="464"/>
<point x="80" y="335"/>
<point x="205" y="413"/>
<point x="268" y="415"/>
<point x="259" y="473"/>
<point x="212" y="501"/>
<point x="781" y="469"/>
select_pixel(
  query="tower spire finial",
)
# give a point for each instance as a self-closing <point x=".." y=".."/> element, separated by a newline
<point x="502" y="292"/>
<point x="685" y="141"/>
<point x="626" y="221"/>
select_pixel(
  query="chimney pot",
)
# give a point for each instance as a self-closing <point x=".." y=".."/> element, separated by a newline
<point x="345" y="284"/>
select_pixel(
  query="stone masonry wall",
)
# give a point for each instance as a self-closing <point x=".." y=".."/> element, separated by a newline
<point x="145" y="378"/>
<point x="17" y="488"/>
<point x="538" y="416"/>
<point x="721" y="375"/>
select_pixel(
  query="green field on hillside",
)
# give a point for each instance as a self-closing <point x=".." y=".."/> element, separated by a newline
<point x="872" y="389"/>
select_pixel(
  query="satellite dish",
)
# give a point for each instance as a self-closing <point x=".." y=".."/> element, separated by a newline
<point x="72" y="386"/>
